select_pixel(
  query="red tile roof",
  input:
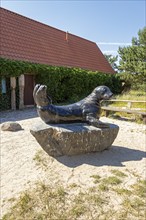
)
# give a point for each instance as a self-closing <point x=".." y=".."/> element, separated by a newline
<point x="24" y="39"/>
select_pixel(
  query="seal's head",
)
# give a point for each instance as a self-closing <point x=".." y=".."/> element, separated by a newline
<point x="40" y="95"/>
<point x="103" y="92"/>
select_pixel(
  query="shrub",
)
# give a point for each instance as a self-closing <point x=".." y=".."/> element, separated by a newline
<point x="64" y="84"/>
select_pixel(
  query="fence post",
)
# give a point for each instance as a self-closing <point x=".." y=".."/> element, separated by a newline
<point x="129" y="104"/>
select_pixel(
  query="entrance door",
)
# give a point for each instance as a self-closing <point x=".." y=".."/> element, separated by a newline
<point x="28" y="90"/>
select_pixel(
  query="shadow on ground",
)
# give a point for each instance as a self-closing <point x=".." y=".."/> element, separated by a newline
<point x="114" y="156"/>
<point x="18" y="115"/>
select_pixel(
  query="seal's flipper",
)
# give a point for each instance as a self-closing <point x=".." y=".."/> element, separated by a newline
<point x="95" y="122"/>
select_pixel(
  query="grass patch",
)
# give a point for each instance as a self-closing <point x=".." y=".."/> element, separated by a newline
<point x="103" y="187"/>
<point x="40" y="159"/>
<point x="73" y="185"/>
<point x="127" y="116"/>
<point x="135" y="205"/>
<point x="54" y="202"/>
<point x="139" y="188"/>
<point x="61" y="192"/>
<point x="79" y="207"/>
<point x="11" y="200"/>
<point x="43" y="202"/>
<point x="47" y="202"/>
<point x="133" y="95"/>
<point x="96" y="178"/>
<point x="78" y="210"/>
<point x="143" y="182"/>
<point x="96" y="199"/>
<point x="118" y="173"/>
<point x="133" y="105"/>
<point x="111" y="180"/>
<point x="122" y="191"/>
<point x="92" y="189"/>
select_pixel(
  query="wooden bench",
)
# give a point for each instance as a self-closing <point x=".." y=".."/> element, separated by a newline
<point x="128" y="109"/>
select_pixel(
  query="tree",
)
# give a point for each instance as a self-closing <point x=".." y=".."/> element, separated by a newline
<point x="133" y="58"/>
<point x="112" y="61"/>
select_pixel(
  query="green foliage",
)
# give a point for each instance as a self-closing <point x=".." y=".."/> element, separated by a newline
<point x="64" y="84"/>
<point x="133" y="58"/>
<point x="133" y="81"/>
<point x="5" y="103"/>
<point x="133" y="61"/>
<point x="112" y="60"/>
<point x="5" y="99"/>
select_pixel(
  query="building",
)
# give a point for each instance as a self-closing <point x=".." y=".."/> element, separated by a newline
<point x="25" y="39"/>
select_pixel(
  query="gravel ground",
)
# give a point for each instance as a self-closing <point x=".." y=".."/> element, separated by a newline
<point x="19" y="170"/>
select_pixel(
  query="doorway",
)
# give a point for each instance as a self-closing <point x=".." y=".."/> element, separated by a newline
<point x="28" y="90"/>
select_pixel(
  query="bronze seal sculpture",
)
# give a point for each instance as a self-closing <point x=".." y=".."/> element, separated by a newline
<point x="87" y="110"/>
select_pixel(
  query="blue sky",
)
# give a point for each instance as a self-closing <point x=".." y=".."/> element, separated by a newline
<point x="108" y="23"/>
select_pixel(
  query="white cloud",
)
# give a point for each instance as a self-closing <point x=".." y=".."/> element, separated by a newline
<point x="110" y="51"/>
<point x="113" y="43"/>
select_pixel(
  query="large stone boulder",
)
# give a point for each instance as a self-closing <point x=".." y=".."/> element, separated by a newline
<point x="72" y="139"/>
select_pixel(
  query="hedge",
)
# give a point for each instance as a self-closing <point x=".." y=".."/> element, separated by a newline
<point x="64" y="84"/>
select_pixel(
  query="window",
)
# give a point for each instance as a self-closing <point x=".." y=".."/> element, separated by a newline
<point x="4" y="90"/>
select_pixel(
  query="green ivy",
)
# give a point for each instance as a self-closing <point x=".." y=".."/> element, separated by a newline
<point x="5" y="99"/>
<point x="64" y="84"/>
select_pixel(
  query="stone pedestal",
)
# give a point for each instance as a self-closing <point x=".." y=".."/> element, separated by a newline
<point x="72" y="139"/>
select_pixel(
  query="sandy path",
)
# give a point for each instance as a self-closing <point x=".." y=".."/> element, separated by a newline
<point x="19" y="170"/>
